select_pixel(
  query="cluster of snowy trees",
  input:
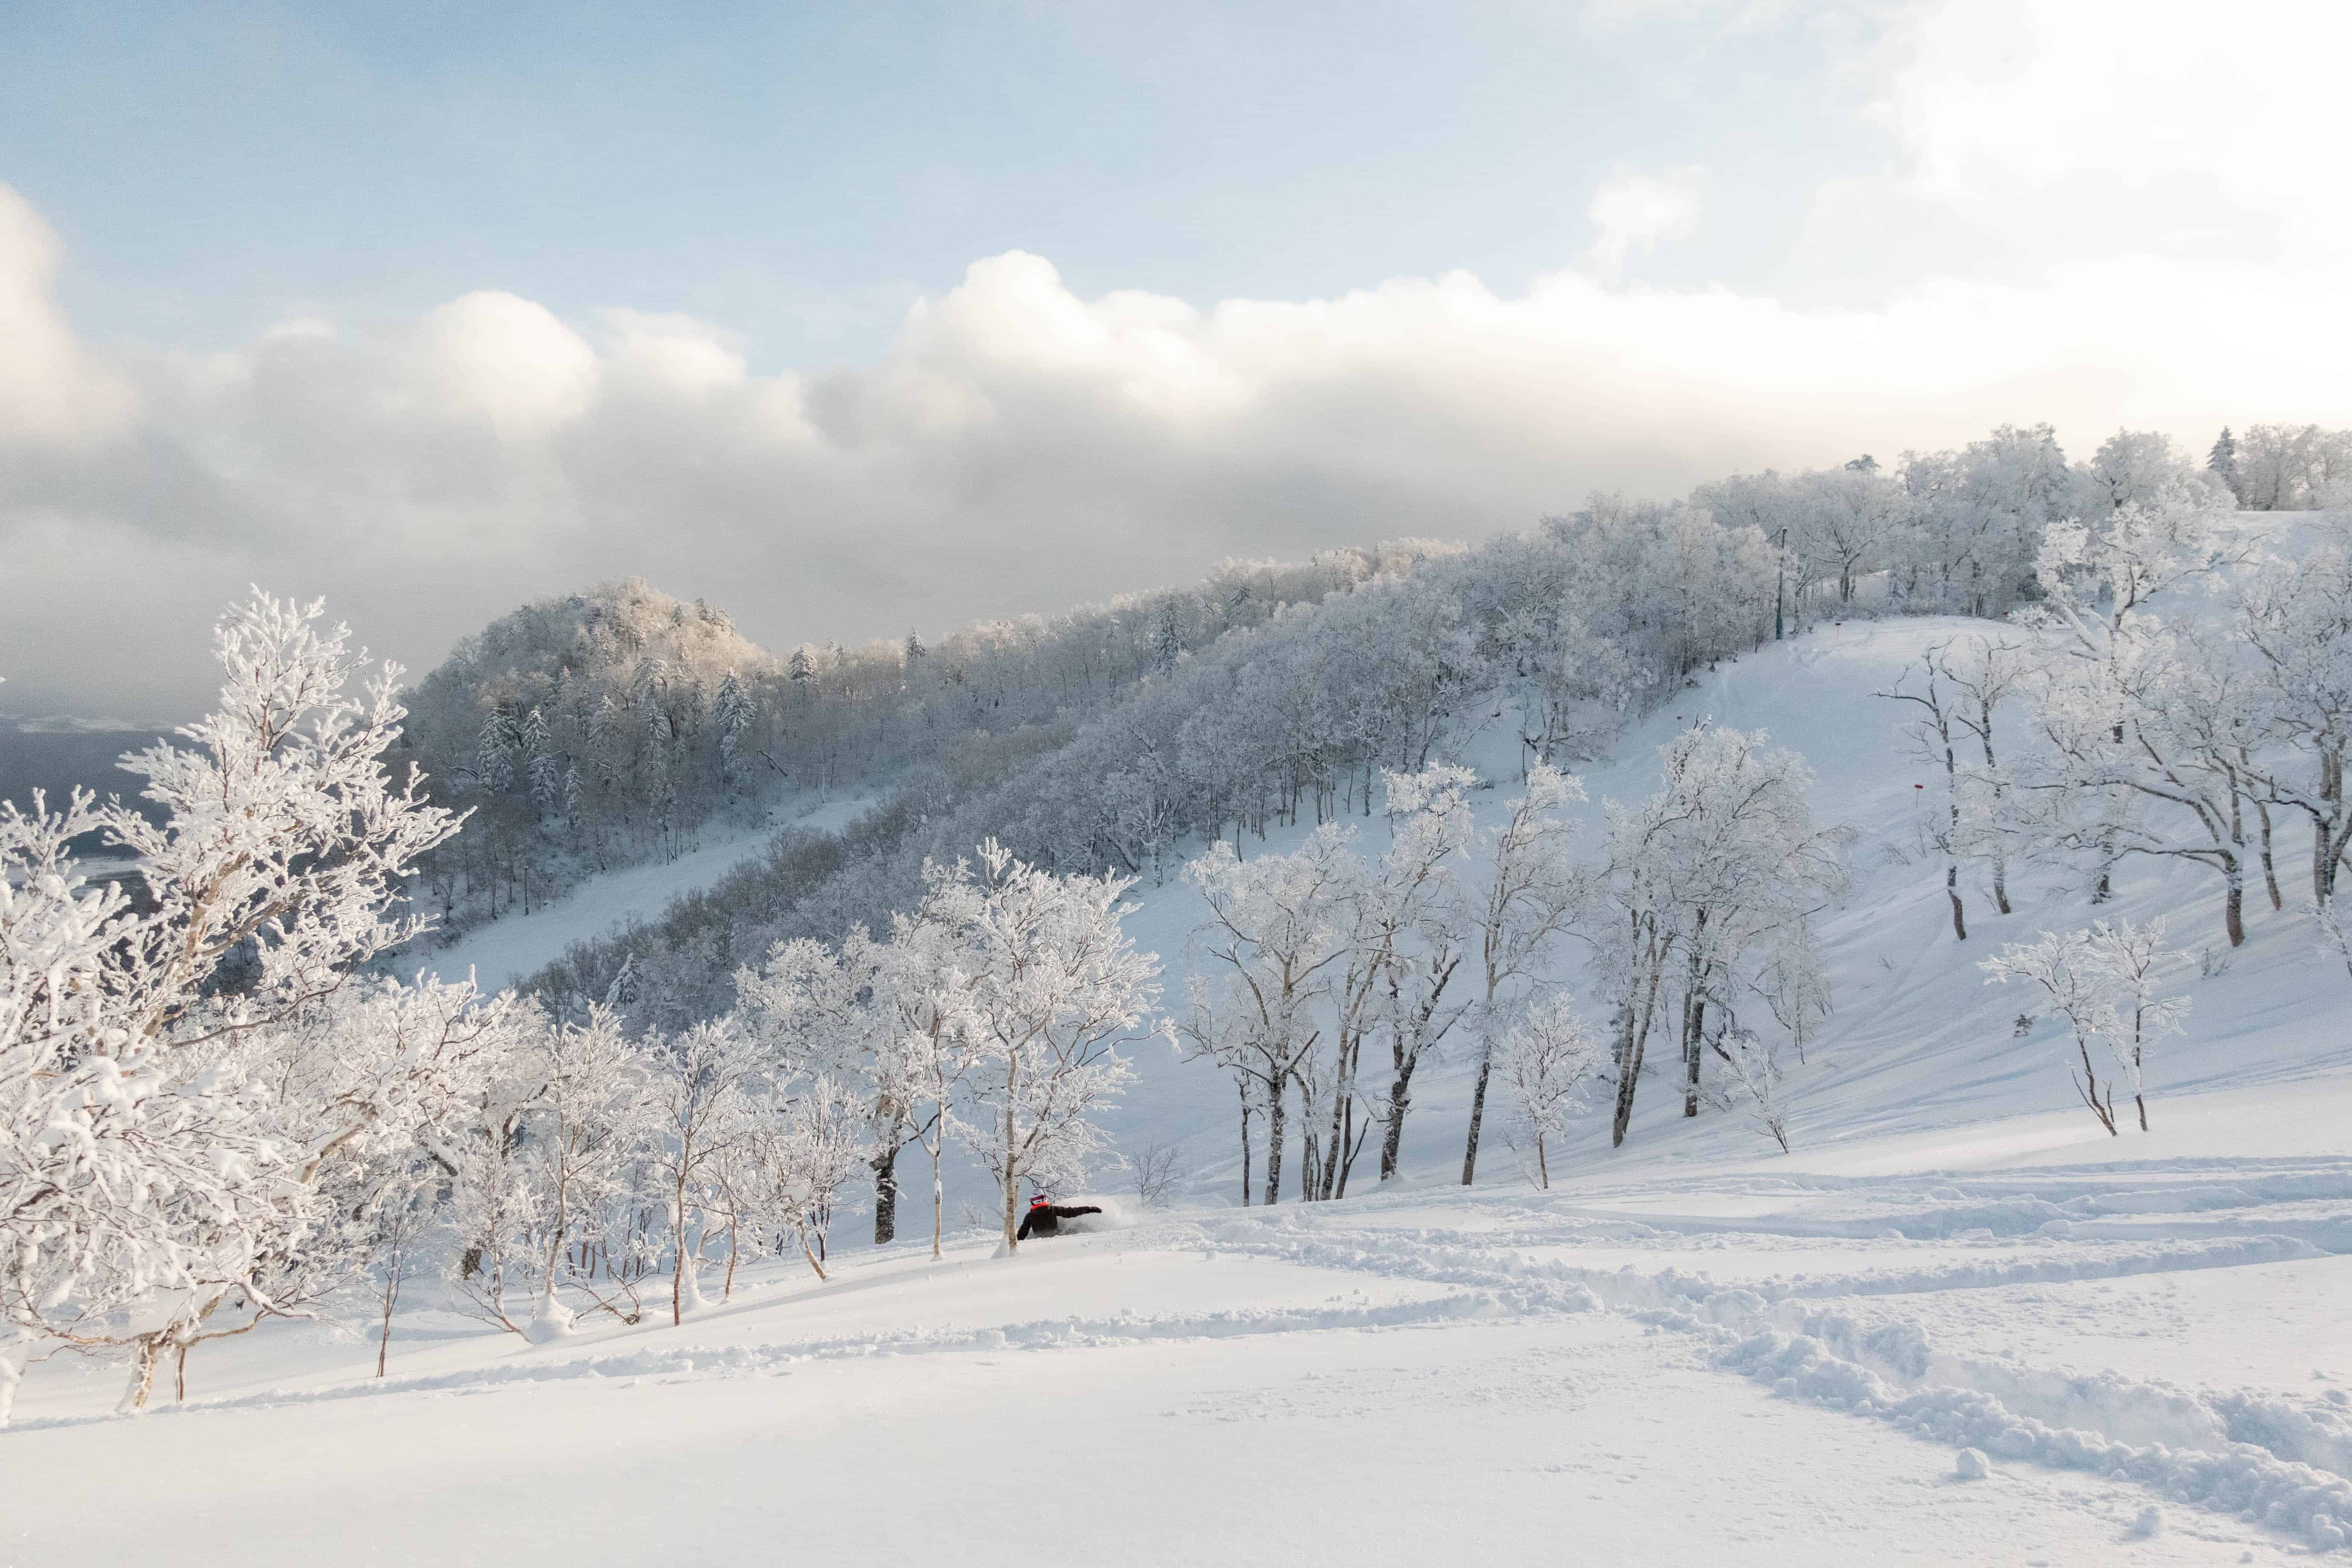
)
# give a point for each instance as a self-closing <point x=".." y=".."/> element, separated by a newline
<point x="212" y="1114"/>
<point x="2284" y="468"/>
<point x="1698" y="917"/>
<point x="607" y="728"/>
<point x="1247" y="723"/>
<point x="2177" y="695"/>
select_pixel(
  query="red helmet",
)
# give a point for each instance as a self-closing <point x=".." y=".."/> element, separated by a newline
<point x="1040" y="1201"/>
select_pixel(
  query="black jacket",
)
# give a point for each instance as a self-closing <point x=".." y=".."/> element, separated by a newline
<point x="1045" y="1220"/>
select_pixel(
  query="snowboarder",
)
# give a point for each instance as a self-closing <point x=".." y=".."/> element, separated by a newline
<point x="1044" y="1217"/>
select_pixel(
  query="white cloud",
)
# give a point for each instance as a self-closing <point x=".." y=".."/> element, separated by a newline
<point x="51" y="389"/>
<point x="1635" y="211"/>
<point x="2096" y="215"/>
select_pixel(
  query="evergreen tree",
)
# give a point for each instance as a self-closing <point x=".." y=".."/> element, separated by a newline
<point x="2223" y="461"/>
<point x="494" y="751"/>
<point x="1167" y="640"/>
<point x="734" y="712"/>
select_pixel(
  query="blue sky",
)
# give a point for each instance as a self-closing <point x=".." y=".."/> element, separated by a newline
<point x="801" y="173"/>
<point x="858" y="319"/>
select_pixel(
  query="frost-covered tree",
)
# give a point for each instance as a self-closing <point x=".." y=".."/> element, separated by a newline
<point x="2221" y="462"/>
<point x="1411" y="936"/>
<point x="2104" y="982"/>
<point x="1756" y="1066"/>
<point x="1059" y="989"/>
<point x="150" y="1180"/>
<point x="733" y="711"/>
<point x="1986" y="677"/>
<point x="1514" y="907"/>
<point x="2289" y="468"/>
<point x="1722" y="868"/>
<point x="816" y="1008"/>
<point x="1548" y="1059"/>
<point x="697" y="1075"/>
<point x="2296" y="618"/>
<point x="588" y="1122"/>
<point x="1275" y="927"/>
<point x="2146" y="729"/>
<point x="494" y="752"/>
<point x="2142" y="468"/>
<point x="1977" y="521"/>
<point x="800" y="1148"/>
<point x="1933" y="737"/>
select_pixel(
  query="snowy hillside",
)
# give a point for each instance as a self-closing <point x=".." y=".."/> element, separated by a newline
<point x="1958" y="1321"/>
<point x="1918" y="1041"/>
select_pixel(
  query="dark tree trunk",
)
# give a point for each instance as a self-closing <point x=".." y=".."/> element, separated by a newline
<point x="886" y="1196"/>
<point x="1275" y="1125"/>
<point x="1477" y="1114"/>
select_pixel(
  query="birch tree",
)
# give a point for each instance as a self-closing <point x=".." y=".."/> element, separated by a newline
<point x="1516" y="908"/>
<point x="1275" y="929"/>
<point x="1547" y="1057"/>
<point x="1059" y="989"/>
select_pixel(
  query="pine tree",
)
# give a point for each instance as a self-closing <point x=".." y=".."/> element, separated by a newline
<point x="2223" y="461"/>
<point x="545" y="767"/>
<point x="733" y="711"/>
<point x="1167" y="640"/>
<point x="494" y="752"/>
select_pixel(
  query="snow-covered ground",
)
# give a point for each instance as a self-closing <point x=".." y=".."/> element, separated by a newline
<point x="514" y="947"/>
<point x="1758" y="1362"/>
<point x="1694" y="1349"/>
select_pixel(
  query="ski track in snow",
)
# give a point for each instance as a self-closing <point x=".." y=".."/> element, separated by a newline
<point x="2269" y="1457"/>
<point x="1843" y="1339"/>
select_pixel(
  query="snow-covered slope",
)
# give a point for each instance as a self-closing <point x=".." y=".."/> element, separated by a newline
<point x="1918" y="1042"/>
<point x="514" y="947"/>
<point x="1690" y="1349"/>
<point x="1769" y="1361"/>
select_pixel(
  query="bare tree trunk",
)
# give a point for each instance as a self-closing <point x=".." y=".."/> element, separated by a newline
<point x="1477" y="1111"/>
<point x="1011" y="1183"/>
<point x="1952" y="891"/>
<point x="383" y="1343"/>
<point x="1694" y="1032"/>
<point x="2089" y="1090"/>
<point x="2269" y="867"/>
<point x="1275" y="1118"/>
<point x="1629" y="1058"/>
<point x="2234" y="908"/>
<point x="1244" y="1084"/>
<point x="142" y="1374"/>
<point x="886" y="1196"/>
<point x="939" y="1188"/>
<point x="1393" y="1135"/>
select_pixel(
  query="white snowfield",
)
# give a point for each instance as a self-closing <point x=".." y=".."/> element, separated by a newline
<point x="1762" y="1361"/>
<point x="1960" y="1324"/>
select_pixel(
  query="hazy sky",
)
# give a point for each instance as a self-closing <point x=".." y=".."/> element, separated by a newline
<point x="903" y="316"/>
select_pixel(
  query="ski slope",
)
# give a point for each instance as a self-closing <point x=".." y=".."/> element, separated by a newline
<point x="512" y="948"/>
<point x="1959" y="1323"/>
